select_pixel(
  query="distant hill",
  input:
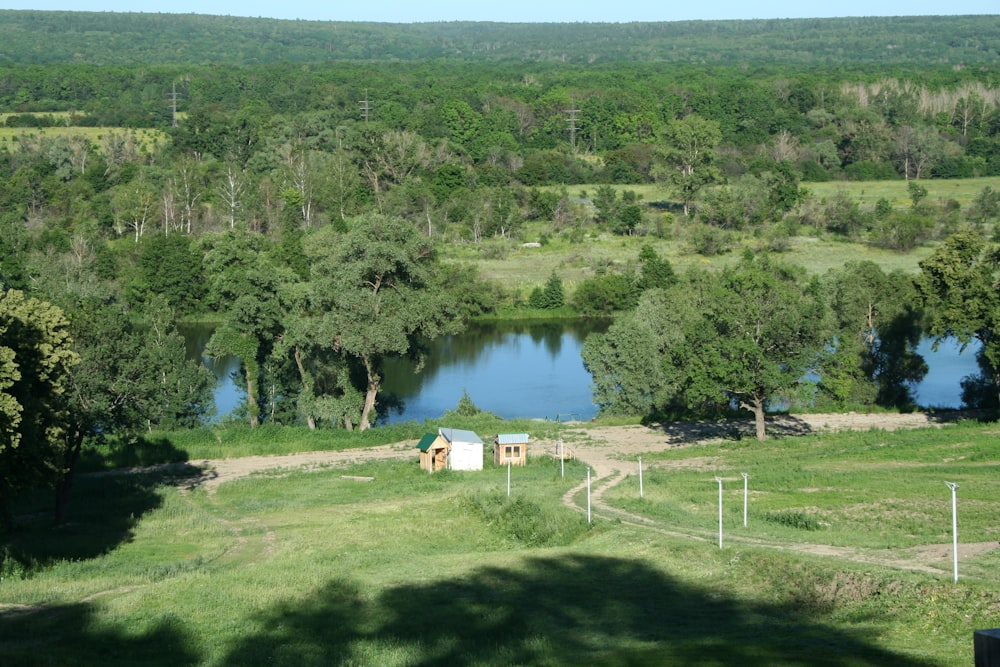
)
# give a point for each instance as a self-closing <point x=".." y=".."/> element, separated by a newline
<point x="101" y="38"/>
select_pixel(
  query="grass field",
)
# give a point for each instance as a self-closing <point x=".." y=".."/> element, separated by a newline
<point x="579" y="257"/>
<point x="315" y="568"/>
<point x="146" y="138"/>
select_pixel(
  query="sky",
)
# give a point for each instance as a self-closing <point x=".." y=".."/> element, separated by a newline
<point x="521" y="11"/>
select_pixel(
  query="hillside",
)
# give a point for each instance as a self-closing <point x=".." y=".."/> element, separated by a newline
<point x="101" y="38"/>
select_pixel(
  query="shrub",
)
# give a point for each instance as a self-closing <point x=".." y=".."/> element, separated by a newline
<point x="793" y="519"/>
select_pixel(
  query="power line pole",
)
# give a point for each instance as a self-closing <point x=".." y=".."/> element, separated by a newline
<point x="366" y="106"/>
<point x="173" y="105"/>
<point x="571" y="122"/>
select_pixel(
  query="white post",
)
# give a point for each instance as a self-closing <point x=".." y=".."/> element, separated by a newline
<point x="719" y="480"/>
<point x="640" y="477"/>
<point x="745" y="478"/>
<point x="588" y="495"/>
<point x="954" y="525"/>
<point x="562" y="459"/>
<point x="508" y="478"/>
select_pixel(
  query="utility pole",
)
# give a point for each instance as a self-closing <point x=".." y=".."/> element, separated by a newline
<point x="366" y="106"/>
<point x="571" y="123"/>
<point x="173" y="105"/>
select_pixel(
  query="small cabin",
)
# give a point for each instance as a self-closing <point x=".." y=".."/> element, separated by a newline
<point x="433" y="452"/>
<point x="465" y="449"/>
<point x="510" y="448"/>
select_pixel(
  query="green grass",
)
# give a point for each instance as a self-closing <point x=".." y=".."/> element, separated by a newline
<point x="872" y="490"/>
<point x="314" y="568"/>
<point x="962" y="190"/>
<point x="147" y="138"/>
<point x="580" y="254"/>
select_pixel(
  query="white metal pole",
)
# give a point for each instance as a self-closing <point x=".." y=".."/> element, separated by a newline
<point x="640" y="477"/>
<point x="719" y="480"/>
<point x="954" y="525"/>
<point x="508" y="478"/>
<point x="562" y="459"/>
<point x="588" y="495"/>
<point x="745" y="486"/>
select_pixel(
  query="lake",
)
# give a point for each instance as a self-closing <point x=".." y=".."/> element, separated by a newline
<point x="532" y="369"/>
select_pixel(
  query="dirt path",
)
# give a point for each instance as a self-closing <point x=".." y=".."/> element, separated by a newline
<point x="611" y="453"/>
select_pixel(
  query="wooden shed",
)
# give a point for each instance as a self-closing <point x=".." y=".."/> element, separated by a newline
<point x="433" y="452"/>
<point x="465" y="449"/>
<point x="510" y="448"/>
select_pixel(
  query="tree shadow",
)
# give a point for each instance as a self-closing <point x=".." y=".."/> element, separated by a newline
<point x="778" y="426"/>
<point x="733" y="428"/>
<point x="566" y="610"/>
<point x="71" y="635"/>
<point x="102" y="515"/>
<point x="143" y="451"/>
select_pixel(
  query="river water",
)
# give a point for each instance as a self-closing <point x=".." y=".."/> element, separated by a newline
<point x="532" y="369"/>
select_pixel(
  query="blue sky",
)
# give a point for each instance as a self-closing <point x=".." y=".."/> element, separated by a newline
<point x="406" y="11"/>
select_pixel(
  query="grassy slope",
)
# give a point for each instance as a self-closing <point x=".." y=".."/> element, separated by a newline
<point x="315" y="569"/>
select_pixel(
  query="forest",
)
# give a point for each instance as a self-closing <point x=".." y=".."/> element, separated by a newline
<point x="326" y="193"/>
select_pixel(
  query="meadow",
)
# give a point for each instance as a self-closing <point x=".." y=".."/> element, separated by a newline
<point x="379" y="563"/>
<point x="578" y="255"/>
<point x="146" y="139"/>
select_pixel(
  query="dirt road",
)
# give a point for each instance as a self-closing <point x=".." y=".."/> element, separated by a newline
<point x="611" y="452"/>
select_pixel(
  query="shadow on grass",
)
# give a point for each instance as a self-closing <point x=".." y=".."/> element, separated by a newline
<point x="778" y="425"/>
<point x="71" y="635"/>
<point x="144" y="451"/>
<point x="103" y="512"/>
<point x="570" y="610"/>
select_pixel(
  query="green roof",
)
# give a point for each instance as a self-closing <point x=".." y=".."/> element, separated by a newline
<point x="426" y="441"/>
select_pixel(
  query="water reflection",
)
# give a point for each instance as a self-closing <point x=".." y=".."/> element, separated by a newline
<point x="529" y="369"/>
<point x="512" y="369"/>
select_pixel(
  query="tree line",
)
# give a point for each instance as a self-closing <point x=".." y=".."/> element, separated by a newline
<point x="762" y="334"/>
<point x="105" y="38"/>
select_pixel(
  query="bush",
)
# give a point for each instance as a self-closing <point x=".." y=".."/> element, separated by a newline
<point x="707" y="240"/>
<point x="793" y="519"/>
<point x="605" y="294"/>
<point x="903" y="231"/>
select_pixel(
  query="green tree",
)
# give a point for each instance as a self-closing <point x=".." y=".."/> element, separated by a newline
<point x="36" y="360"/>
<point x="549" y="297"/>
<point x="960" y="284"/>
<point x="245" y="287"/>
<point x="133" y="374"/>
<point x="687" y="156"/>
<point x="655" y="271"/>
<point x="711" y="342"/>
<point x="873" y="360"/>
<point x="603" y="295"/>
<point x="986" y="206"/>
<point x="630" y="363"/>
<point x="171" y="267"/>
<point x="760" y="330"/>
<point x="378" y="288"/>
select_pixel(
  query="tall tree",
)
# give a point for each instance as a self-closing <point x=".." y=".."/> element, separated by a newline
<point x="739" y="338"/>
<point x="378" y="287"/>
<point x="133" y="375"/>
<point x="877" y="317"/>
<point x="245" y="286"/>
<point x="761" y="329"/>
<point x="960" y="284"/>
<point x="35" y="362"/>
<point x="687" y="156"/>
